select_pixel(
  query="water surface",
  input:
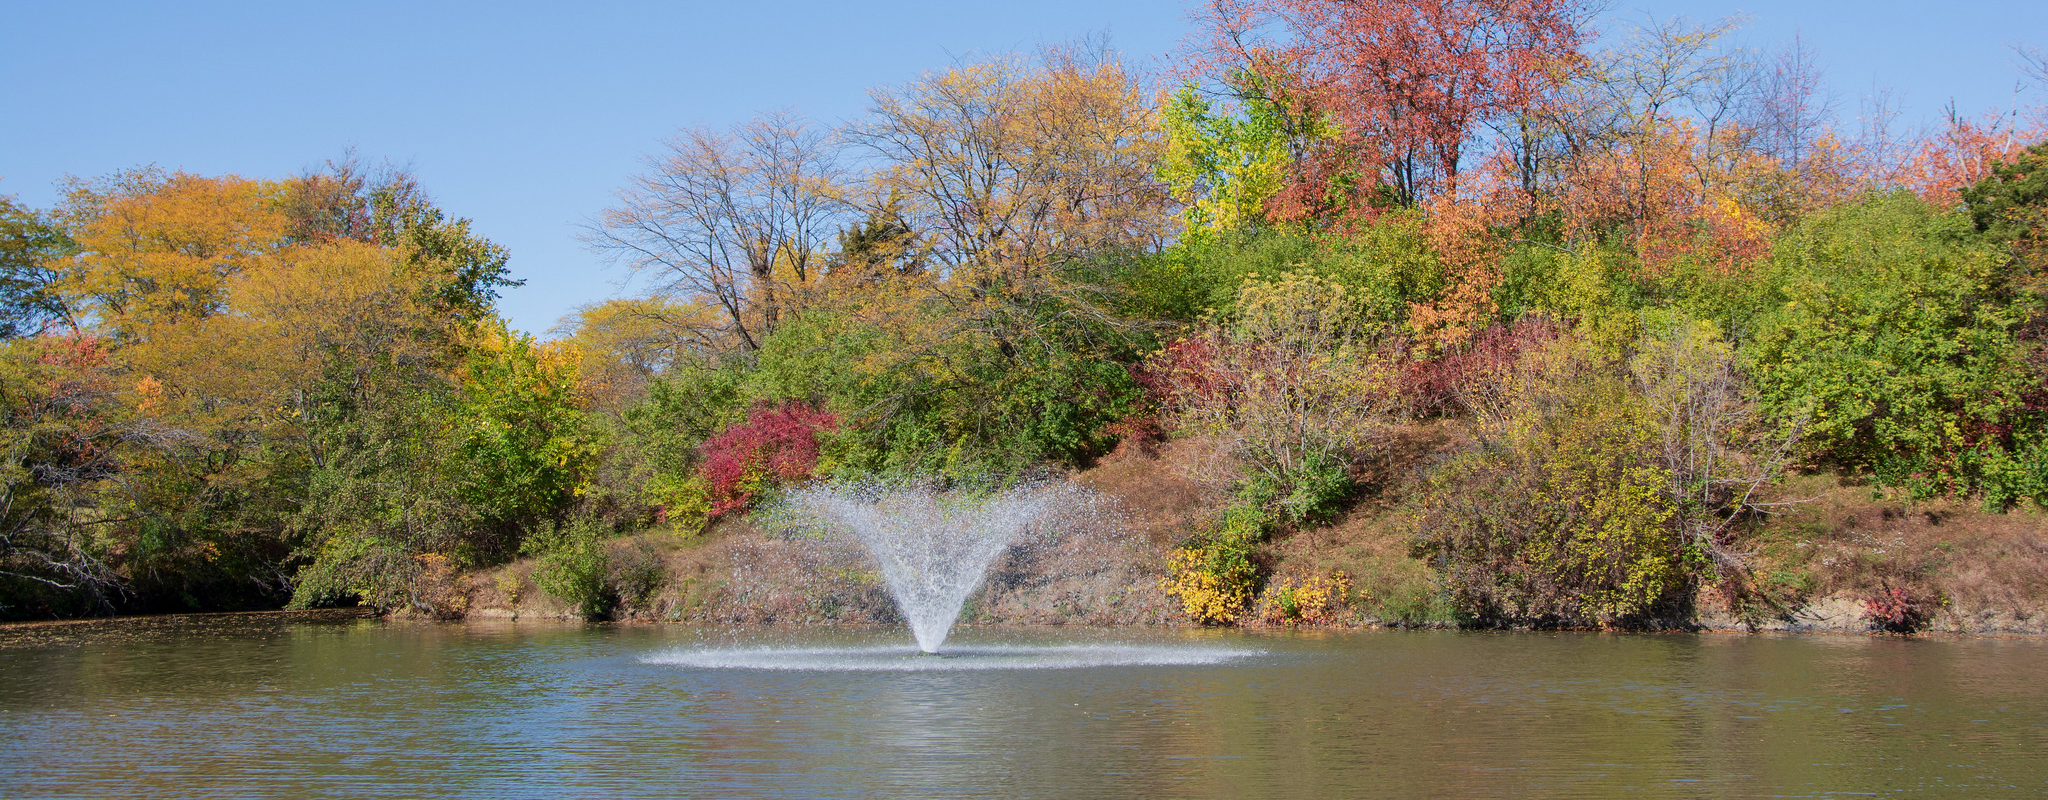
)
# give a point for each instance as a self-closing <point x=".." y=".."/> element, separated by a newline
<point x="371" y="709"/>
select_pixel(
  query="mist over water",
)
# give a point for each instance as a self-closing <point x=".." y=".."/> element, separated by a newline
<point x="935" y="547"/>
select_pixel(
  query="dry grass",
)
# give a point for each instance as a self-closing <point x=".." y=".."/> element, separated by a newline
<point x="1977" y="570"/>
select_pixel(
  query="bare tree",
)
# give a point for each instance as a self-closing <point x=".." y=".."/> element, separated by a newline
<point x="2033" y="63"/>
<point x="1007" y="165"/>
<point x="739" y="218"/>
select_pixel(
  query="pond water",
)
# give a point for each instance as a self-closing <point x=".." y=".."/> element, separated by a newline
<point x="262" y="708"/>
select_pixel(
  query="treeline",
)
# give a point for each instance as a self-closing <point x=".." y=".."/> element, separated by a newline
<point x="1640" y="276"/>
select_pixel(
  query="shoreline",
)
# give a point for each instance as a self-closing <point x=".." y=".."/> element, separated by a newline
<point x="182" y="617"/>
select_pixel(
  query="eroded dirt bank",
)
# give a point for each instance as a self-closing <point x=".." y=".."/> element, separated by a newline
<point x="1828" y="563"/>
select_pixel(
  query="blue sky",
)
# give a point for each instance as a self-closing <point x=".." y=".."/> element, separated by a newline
<point x="527" y="116"/>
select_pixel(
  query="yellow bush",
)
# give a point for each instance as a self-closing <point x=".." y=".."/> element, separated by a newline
<point x="1315" y="601"/>
<point x="1214" y="582"/>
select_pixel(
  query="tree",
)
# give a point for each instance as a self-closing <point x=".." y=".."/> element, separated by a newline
<point x="60" y="446"/>
<point x="1225" y="168"/>
<point x="1409" y="82"/>
<point x="159" y="248"/>
<point x="739" y="218"/>
<point x="456" y="270"/>
<point x="31" y="250"/>
<point x="1007" y="167"/>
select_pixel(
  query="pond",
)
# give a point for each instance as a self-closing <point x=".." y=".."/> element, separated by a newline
<point x="365" y="708"/>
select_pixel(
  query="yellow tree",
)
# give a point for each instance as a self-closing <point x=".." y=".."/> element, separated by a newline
<point x="159" y="248"/>
<point x="1007" y="165"/>
<point x="624" y="343"/>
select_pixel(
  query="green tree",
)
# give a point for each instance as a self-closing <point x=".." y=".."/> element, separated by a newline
<point x="1224" y="167"/>
<point x="31" y="247"/>
<point x="1894" y="340"/>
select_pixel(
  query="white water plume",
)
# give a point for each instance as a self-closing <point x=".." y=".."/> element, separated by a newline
<point x="963" y="659"/>
<point x="934" y="547"/>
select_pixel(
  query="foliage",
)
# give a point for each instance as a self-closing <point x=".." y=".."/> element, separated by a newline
<point x="525" y="444"/>
<point x="775" y="446"/>
<point x="1313" y="601"/>
<point x="572" y="568"/>
<point x="1213" y="576"/>
<point x="58" y="449"/>
<point x="577" y="566"/>
<point x="1594" y="299"/>
<point x="1409" y="84"/>
<point x="1224" y="168"/>
<point x="1897" y="610"/>
<point x="159" y="248"/>
<point x="1895" y="337"/>
<point x="1296" y="384"/>
<point x="1007" y="165"/>
<point x="1562" y="515"/>
<point x="32" y="247"/>
<point x="2007" y="204"/>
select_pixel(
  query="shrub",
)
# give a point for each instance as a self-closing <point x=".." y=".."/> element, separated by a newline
<point x="1894" y="341"/>
<point x="1896" y="610"/>
<point x="1314" y="601"/>
<point x="574" y="567"/>
<point x="777" y="444"/>
<point x="572" y="570"/>
<point x="1295" y="384"/>
<point x="1563" y="516"/>
<point x="579" y="567"/>
<point x="1213" y="576"/>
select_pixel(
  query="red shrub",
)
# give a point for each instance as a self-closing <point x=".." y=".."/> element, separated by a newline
<point x="1184" y="373"/>
<point x="777" y="444"/>
<point x="1440" y="386"/>
<point x="1895" y="610"/>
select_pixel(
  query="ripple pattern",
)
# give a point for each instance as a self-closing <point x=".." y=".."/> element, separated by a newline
<point x="897" y="658"/>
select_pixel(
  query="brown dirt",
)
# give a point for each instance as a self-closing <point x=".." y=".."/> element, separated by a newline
<point x="1820" y="559"/>
<point x="1972" y="570"/>
<point x="1107" y="574"/>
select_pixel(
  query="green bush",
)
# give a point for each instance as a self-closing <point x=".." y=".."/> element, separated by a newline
<point x="573" y="567"/>
<point x="1893" y="340"/>
<point x="579" y="566"/>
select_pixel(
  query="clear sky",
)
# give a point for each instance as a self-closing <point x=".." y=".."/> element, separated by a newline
<point x="527" y="116"/>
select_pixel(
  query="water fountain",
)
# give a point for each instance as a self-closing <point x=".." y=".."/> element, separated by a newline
<point x="933" y="550"/>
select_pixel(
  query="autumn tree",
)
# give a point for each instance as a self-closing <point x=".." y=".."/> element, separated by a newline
<point x="740" y="218"/>
<point x="1410" y="83"/>
<point x="31" y="249"/>
<point x="1006" y="165"/>
<point x="59" y="447"/>
<point x="160" y="248"/>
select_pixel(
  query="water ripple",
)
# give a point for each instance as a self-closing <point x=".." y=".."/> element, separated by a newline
<point x="897" y="658"/>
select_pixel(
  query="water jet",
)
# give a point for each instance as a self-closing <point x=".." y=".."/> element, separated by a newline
<point x="934" y="548"/>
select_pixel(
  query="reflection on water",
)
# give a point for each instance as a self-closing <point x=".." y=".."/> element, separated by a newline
<point x="368" y="709"/>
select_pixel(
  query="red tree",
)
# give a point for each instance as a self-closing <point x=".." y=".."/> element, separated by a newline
<point x="1410" y="82"/>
